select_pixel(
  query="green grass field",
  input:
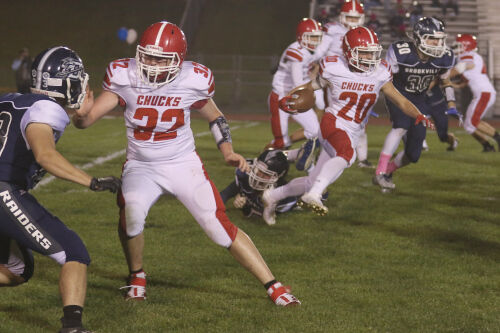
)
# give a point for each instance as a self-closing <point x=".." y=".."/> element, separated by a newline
<point x="425" y="258"/>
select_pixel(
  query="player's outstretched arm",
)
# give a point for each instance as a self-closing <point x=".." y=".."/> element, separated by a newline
<point x="405" y="105"/>
<point x="222" y="135"/>
<point x="40" y="137"/>
<point x="91" y="110"/>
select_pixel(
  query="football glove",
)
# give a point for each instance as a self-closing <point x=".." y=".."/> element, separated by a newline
<point x="286" y="104"/>
<point x="110" y="183"/>
<point x="425" y="121"/>
<point x="454" y="113"/>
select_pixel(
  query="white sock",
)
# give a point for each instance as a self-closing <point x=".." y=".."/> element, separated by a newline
<point x="291" y="154"/>
<point x="296" y="187"/>
<point x="392" y="140"/>
<point x="362" y="147"/>
<point x="329" y="173"/>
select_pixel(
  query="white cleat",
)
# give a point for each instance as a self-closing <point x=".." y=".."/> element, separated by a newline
<point x="281" y="295"/>
<point x="313" y="202"/>
<point x="269" y="213"/>
<point x="384" y="181"/>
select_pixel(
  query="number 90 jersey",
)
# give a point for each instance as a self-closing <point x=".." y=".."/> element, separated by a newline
<point x="412" y="76"/>
<point x="352" y="94"/>
<point x="158" y="118"/>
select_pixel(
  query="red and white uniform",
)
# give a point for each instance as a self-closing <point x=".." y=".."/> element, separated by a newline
<point x="353" y="94"/>
<point x="161" y="156"/>
<point x="483" y="92"/>
<point x="331" y="44"/>
<point x="292" y="72"/>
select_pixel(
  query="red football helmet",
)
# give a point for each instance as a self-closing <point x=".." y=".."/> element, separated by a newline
<point x="464" y="43"/>
<point x="352" y="14"/>
<point x="362" y="49"/>
<point x="160" y="53"/>
<point x="309" y="33"/>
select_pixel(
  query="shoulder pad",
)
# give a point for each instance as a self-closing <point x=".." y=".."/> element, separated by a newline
<point x="446" y="61"/>
<point x="199" y="77"/>
<point x="405" y="52"/>
<point x="117" y="73"/>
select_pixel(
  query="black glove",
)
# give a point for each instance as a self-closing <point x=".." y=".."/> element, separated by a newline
<point x="110" y="183"/>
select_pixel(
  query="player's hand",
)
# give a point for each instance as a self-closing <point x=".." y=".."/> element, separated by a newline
<point x="286" y="104"/>
<point x="454" y="113"/>
<point x="110" y="183"/>
<point x="238" y="161"/>
<point x="425" y="121"/>
<point x="86" y="105"/>
<point x="239" y="201"/>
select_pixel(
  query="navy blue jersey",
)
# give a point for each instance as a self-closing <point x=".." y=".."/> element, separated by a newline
<point x="435" y="96"/>
<point x="411" y="76"/>
<point x="17" y="163"/>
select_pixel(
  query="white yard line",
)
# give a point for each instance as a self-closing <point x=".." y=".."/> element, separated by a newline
<point x="103" y="159"/>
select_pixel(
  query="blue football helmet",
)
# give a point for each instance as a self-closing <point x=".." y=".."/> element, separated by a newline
<point x="58" y="72"/>
<point x="429" y="35"/>
<point x="270" y="166"/>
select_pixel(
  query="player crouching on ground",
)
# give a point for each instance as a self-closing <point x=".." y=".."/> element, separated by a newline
<point x="354" y="83"/>
<point x="158" y="90"/>
<point x="266" y="171"/>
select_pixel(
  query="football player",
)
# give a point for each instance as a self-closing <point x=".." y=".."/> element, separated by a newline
<point x="158" y="89"/>
<point x="414" y="64"/>
<point x="354" y="82"/>
<point x="266" y="171"/>
<point x="293" y="70"/>
<point x="31" y="125"/>
<point x="352" y="15"/>
<point x="471" y="66"/>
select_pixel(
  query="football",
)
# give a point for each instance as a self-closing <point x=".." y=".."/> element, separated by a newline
<point x="302" y="100"/>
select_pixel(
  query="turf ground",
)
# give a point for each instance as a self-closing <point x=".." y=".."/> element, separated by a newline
<point x="425" y="258"/>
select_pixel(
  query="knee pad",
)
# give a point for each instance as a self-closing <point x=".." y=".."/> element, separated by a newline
<point x="216" y="232"/>
<point x="132" y="219"/>
<point x="20" y="262"/>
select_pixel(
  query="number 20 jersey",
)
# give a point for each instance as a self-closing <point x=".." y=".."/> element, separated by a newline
<point x="412" y="76"/>
<point x="158" y="118"/>
<point x="352" y="94"/>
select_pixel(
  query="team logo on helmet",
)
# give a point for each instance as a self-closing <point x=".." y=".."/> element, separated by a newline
<point x="70" y="68"/>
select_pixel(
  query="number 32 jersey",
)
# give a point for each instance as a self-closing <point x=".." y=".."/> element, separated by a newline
<point x="352" y="94"/>
<point x="158" y="118"/>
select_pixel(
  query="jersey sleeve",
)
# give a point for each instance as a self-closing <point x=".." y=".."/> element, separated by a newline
<point x="45" y="112"/>
<point x="116" y="76"/>
<point x="391" y="59"/>
<point x="327" y="67"/>
<point x="386" y="72"/>
<point x="201" y="80"/>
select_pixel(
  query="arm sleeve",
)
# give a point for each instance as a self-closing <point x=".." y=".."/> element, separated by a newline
<point x="392" y="60"/>
<point x="45" y="112"/>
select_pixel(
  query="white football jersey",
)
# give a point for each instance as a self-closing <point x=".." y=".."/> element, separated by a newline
<point x="284" y="79"/>
<point x="158" y="118"/>
<point x="478" y="76"/>
<point x="352" y="94"/>
<point x="331" y="44"/>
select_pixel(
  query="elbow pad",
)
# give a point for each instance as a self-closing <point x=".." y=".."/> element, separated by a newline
<point x="220" y="130"/>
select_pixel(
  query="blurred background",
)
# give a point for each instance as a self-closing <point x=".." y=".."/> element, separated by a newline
<point x="240" y="40"/>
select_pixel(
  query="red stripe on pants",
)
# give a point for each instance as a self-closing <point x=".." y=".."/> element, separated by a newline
<point x="275" y="120"/>
<point x="480" y="107"/>
<point x="337" y="137"/>
<point x="220" y="213"/>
